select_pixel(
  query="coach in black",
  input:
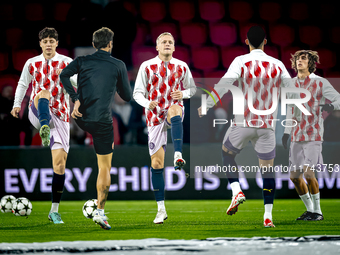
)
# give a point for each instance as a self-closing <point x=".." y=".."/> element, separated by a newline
<point x="99" y="76"/>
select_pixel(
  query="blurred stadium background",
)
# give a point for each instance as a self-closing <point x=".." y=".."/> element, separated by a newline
<point x="208" y="34"/>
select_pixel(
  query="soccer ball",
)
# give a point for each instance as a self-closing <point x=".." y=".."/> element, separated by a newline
<point x="6" y="203"/>
<point x="22" y="207"/>
<point x="89" y="208"/>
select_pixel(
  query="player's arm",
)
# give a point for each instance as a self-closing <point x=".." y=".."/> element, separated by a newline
<point x="140" y="91"/>
<point x="70" y="70"/>
<point x="123" y="84"/>
<point x="188" y="84"/>
<point x="24" y="81"/>
<point x="233" y="73"/>
<point x="331" y="94"/>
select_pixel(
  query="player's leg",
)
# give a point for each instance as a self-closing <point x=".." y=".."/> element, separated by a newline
<point x="41" y="103"/>
<point x="301" y="188"/>
<point x="235" y="139"/>
<point x="59" y="157"/>
<point x="268" y="190"/>
<point x="157" y="179"/>
<point x="174" y="118"/>
<point x="297" y="159"/>
<point x="103" y="142"/>
<point x="264" y="144"/>
<point x="314" y="194"/>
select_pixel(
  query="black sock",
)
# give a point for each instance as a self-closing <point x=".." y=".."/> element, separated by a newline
<point x="158" y="183"/>
<point x="268" y="187"/>
<point x="58" y="182"/>
<point x="43" y="111"/>
<point x="229" y="162"/>
<point x="177" y="133"/>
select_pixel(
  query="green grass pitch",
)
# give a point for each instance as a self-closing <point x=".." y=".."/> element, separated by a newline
<point x="187" y="219"/>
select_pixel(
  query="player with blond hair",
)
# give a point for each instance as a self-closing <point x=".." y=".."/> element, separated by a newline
<point x="158" y="90"/>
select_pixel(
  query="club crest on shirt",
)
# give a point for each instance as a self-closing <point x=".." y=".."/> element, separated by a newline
<point x="151" y="146"/>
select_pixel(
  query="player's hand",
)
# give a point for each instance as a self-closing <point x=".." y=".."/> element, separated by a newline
<point x="327" y="107"/>
<point x="75" y="112"/>
<point x="15" y="112"/>
<point x="152" y="105"/>
<point x="200" y="112"/>
<point x="59" y="71"/>
<point x="285" y="138"/>
<point x="176" y="95"/>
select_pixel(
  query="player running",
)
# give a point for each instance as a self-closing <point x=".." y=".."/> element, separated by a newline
<point x="260" y="74"/>
<point x="99" y="75"/>
<point x="307" y="135"/>
<point x="48" y="108"/>
<point x="158" y="90"/>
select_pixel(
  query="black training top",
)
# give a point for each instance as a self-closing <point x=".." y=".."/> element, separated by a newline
<point x="99" y="76"/>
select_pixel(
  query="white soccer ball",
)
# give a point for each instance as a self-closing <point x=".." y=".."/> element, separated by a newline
<point x="6" y="203"/>
<point x="22" y="207"/>
<point x="89" y="208"/>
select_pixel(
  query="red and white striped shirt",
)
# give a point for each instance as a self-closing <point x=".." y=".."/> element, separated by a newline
<point x="155" y="81"/>
<point x="310" y="127"/>
<point x="43" y="75"/>
<point x="260" y="73"/>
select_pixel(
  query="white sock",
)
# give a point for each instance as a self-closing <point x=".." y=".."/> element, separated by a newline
<point x="268" y="211"/>
<point x="54" y="207"/>
<point x="316" y="203"/>
<point x="307" y="201"/>
<point x="100" y="211"/>
<point x="160" y="205"/>
<point x="178" y="154"/>
<point x="235" y="187"/>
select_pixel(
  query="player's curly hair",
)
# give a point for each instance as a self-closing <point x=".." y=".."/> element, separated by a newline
<point x="313" y="59"/>
<point x="48" y="32"/>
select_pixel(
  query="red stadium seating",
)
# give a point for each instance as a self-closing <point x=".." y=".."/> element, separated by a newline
<point x="34" y="12"/>
<point x="286" y="55"/>
<point x="213" y="77"/>
<point x="223" y="34"/>
<point x="141" y="54"/>
<point x="272" y="51"/>
<point x="270" y="11"/>
<point x="327" y="58"/>
<point x="6" y="12"/>
<point x="182" y="53"/>
<point x="298" y="11"/>
<point x="205" y="58"/>
<point x="182" y="10"/>
<point x="335" y="35"/>
<point x="152" y="11"/>
<point x="244" y="30"/>
<point x="158" y="28"/>
<point x="60" y="10"/>
<point x="21" y="56"/>
<point x="3" y="61"/>
<point x="310" y="35"/>
<point x="14" y="37"/>
<point x="141" y="35"/>
<point x="63" y="51"/>
<point x="230" y="53"/>
<point x="240" y="11"/>
<point x="193" y="33"/>
<point x="9" y="79"/>
<point x="282" y="35"/>
<point x="211" y="10"/>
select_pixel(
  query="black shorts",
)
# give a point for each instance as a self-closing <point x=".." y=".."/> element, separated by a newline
<point x="102" y="134"/>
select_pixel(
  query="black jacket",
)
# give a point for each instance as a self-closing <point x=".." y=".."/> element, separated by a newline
<point x="99" y="76"/>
